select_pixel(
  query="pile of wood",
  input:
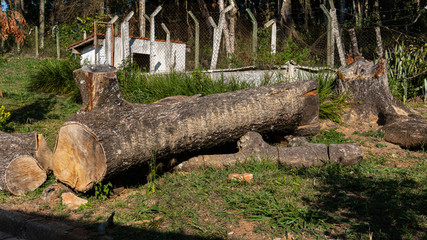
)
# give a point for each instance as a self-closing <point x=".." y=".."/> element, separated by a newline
<point x="109" y="135"/>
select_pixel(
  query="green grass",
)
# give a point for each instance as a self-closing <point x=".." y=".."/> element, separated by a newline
<point x="31" y="110"/>
<point x="329" y="137"/>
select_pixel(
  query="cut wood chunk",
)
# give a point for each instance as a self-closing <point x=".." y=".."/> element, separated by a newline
<point x="20" y="171"/>
<point x="109" y="135"/>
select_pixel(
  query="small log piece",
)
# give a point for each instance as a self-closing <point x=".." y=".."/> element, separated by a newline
<point x="23" y="160"/>
<point x="302" y="154"/>
<point x="367" y="87"/>
<point x="109" y="135"/>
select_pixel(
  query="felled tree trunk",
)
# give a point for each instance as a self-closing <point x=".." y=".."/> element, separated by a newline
<point x="109" y="135"/>
<point x="367" y="87"/>
<point x="22" y="161"/>
<point x="301" y="154"/>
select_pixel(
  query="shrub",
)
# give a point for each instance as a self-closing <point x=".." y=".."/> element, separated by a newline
<point x="4" y="116"/>
<point x="407" y="71"/>
<point x="55" y="76"/>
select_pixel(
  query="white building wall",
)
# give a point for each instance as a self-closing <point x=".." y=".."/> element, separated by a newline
<point x="141" y="46"/>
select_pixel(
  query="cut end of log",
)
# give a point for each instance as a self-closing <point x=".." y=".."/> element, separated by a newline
<point x="79" y="159"/>
<point x="43" y="153"/>
<point x="24" y="174"/>
<point x="99" y="68"/>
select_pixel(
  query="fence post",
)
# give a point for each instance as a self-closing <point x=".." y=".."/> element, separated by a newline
<point x="36" y="33"/>
<point x="217" y="35"/>
<point x="168" y="48"/>
<point x="109" y="41"/>
<point x="330" y="41"/>
<point x="335" y="30"/>
<point x="380" y="51"/>
<point x="272" y="23"/>
<point x="196" y="40"/>
<point x="152" y="38"/>
<point x="58" y="51"/>
<point x="125" y="36"/>
<point x="254" y="34"/>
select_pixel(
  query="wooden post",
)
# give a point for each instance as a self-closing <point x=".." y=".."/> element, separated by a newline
<point x="37" y="41"/>
<point x="330" y="38"/>
<point x="152" y="39"/>
<point x="168" y="48"/>
<point x="58" y="51"/>
<point x="196" y="40"/>
<point x="95" y="39"/>
<point x="254" y="34"/>
<point x="109" y="40"/>
<point x="336" y="32"/>
<point x="217" y="35"/>
<point x="272" y="23"/>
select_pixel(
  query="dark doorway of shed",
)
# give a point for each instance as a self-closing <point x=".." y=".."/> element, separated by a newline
<point x="142" y="61"/>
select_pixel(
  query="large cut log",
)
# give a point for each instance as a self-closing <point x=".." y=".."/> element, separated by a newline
<point x="23" y="157"/>
<point x="367" y="87"/>
<point x="302" y="154"/>
<point x="109" y="135"/>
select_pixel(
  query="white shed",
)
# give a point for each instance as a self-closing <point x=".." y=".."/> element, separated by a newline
<point x="139" y="52"/>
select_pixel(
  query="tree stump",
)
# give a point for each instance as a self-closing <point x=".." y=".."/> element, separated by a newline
<point x="23" y="157"/>
<point x="367" y="87"/>
<point x="109" y="135"/>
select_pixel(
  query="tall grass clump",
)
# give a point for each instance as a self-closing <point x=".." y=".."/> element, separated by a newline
<point x="56" y="76"/>
<point x="143" y="88"/>
<point x="331" y="104"/>
<point x="407" y="71"/>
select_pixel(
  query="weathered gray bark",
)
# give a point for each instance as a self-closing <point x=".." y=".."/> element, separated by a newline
<point x="22" y="159"/>
<point x="367" y="86"/>
<point x="141" y="18"/>
<point x="109" y="135"/>
<point x="354" y="45"/>
<point x="302" y="154"/>
<point x="42" y="22"/>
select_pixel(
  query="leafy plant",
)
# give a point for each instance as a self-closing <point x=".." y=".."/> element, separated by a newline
<point x="331" y="105"/>
<point x="152" y="175"/>
<point x="407" y="71"/>
<point x="103" y="191"/>
<point x="4" y="116"/>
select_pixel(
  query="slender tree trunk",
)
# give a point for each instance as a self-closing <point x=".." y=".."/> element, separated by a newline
<point x="225" y="30"/>
<point x="233" y="29"/>
<point x="286" y="19"/>
<point x="101" y="7"/>
<point x="141" y="18"/>
<point x="42" y="22"/>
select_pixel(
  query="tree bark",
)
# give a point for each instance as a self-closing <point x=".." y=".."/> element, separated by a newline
<point x="367" y="86"/>
<point x="109" y="135"/>
<point x="42" y="22"/>
<point x="24" y="159"/>
<point x="304" y="154"/>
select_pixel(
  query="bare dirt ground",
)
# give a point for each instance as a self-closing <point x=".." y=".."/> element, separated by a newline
<point x="393" y="155"/>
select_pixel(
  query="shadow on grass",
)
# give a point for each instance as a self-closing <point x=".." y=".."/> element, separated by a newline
<point x="37" y="226"/>
<point x="388" y="207"/>
<point x="34" y="111"/>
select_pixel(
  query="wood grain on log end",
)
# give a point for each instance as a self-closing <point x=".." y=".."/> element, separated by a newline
<point x="24" y="174"/>
<point x="79" y="159"/>
<point x="43" y="153"/>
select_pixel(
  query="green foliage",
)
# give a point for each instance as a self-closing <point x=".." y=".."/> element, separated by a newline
<point x="103" y="191"/>
<point x="56" y="76"/>
<point x="407" y="71"/>
<point x="371" y="133"/>
<point x="70" y="33"/>
<point x="331" y="105"/>
<point x="141" y="88"/>
<point x="289" y="50"/>
<point x="4" y="116"/>
<point x="329" y="137"/>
